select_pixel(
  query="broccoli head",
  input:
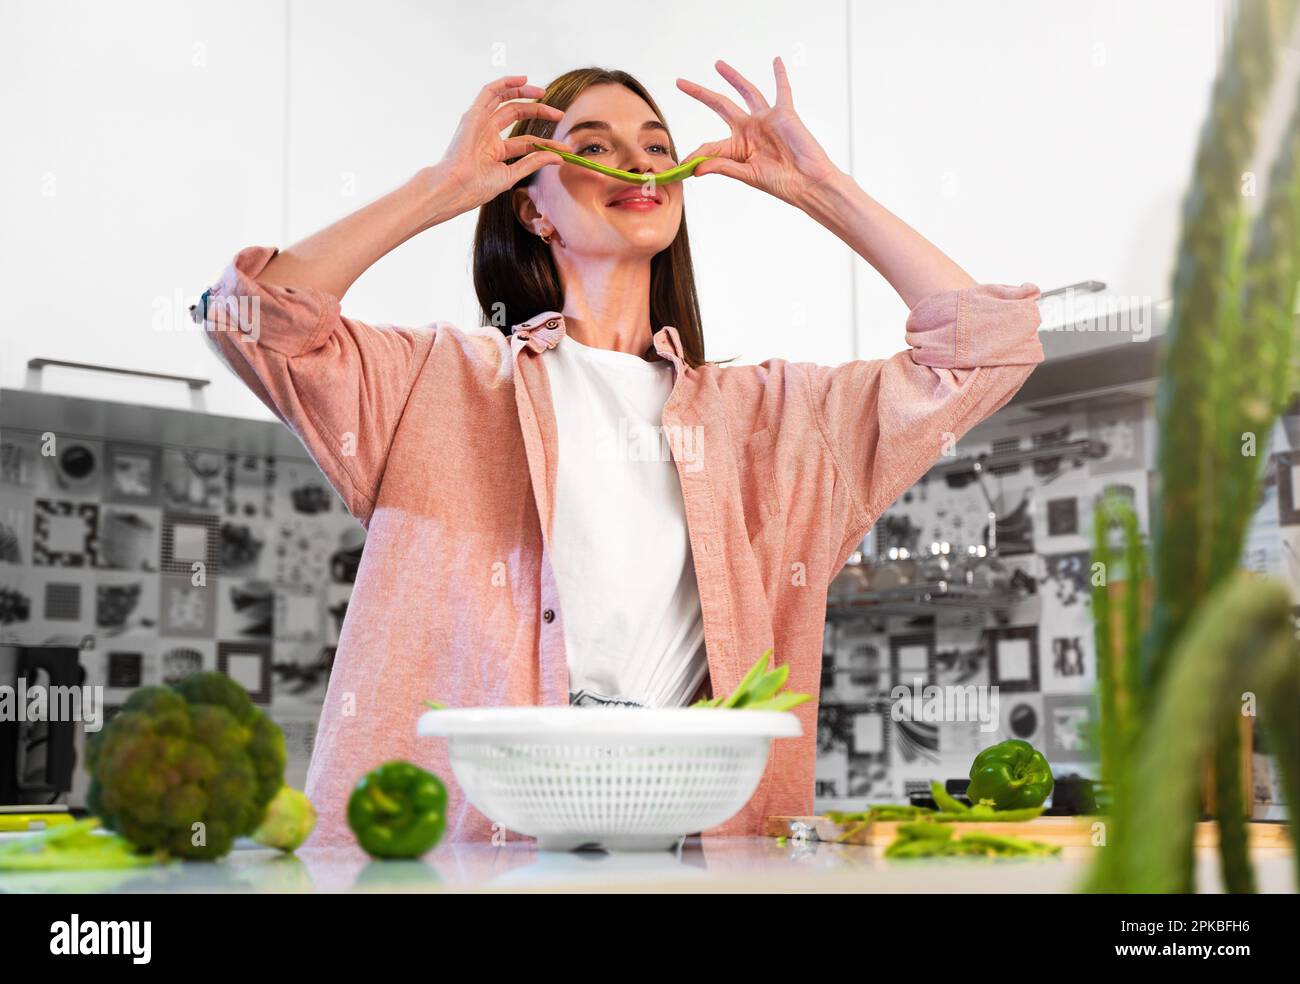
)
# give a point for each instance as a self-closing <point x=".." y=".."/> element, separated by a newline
<point x="173" y="758"/>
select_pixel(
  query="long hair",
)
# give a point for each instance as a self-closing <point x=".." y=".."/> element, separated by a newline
<point x="514" y="275"/>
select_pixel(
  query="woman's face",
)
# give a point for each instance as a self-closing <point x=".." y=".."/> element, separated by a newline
<point x="614" y="126"/>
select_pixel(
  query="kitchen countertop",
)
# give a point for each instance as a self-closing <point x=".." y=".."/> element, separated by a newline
<point x="701" y="865"/>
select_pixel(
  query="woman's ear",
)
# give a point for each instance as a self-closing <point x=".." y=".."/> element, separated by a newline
<point x="526" y="212"/>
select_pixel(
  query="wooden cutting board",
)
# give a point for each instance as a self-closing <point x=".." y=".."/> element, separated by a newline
<point x="1066" y="831"/>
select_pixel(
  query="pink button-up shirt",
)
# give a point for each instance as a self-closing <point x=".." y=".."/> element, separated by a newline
<point x="443" y="444"/>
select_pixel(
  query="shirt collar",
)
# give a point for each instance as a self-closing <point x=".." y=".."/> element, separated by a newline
<point x="543" y="331"/>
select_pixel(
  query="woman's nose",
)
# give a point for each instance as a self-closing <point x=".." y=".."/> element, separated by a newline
<point x="639" y="163"/>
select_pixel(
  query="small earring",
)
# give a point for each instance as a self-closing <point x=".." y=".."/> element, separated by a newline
<point x="546" y="239"/>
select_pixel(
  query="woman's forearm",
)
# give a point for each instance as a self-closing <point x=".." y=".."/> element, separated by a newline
<point x="913" y="265"/>
<point x="331" y="260"/>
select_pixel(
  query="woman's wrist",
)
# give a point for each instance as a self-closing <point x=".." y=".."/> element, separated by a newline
<point x="825" y="200"/>
<point x="435" y="197"/>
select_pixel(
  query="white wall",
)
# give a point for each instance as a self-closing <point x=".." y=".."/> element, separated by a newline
<point x="147" y="141"/>
<point x="1048" y="142"/>
<point x="140" y="140"/>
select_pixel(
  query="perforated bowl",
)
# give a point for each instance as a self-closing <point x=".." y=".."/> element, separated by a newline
<point x="625" y="779"/>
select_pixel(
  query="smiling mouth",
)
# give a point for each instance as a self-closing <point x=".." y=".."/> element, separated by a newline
<point x="639" y="201"/>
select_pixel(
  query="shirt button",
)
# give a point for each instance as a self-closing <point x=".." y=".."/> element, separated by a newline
<point x="548" y="615"/>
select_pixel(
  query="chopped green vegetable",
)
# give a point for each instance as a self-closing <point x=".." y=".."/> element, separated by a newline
<point x="71" y="847"/>
<point x="926" y="839"/>
<point x="887" y="812"/>
<point x="678" y="173"/>
<point x="884" y="812"/>
<point x="925" y="830"/>
<point x="434" y="705"/>
<point x="966" y="814"/>
<point x="1010" y="845"/>
<point x="986" y="814"/>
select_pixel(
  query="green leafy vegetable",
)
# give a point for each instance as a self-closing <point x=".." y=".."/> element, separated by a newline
<point x="759" y="690"/>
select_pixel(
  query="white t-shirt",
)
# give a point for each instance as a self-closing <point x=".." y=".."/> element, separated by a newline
<point x="621" y="554"/>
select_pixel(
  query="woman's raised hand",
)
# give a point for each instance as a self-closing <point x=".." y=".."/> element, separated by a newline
<point x="474" y="168"/>
<point x="769" y="147"/>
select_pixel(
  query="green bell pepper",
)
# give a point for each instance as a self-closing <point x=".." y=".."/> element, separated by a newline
<point x="1013" y="775"/>
<point x="398" y="810"/>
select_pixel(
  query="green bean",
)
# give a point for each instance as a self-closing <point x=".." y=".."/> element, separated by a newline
<point x="862" y="825"/>
<point x="983" y="814"/>
<point x="883" y="812"/>
<point x="943" y="801"/>
<point x="907" y="848"/>
<point x="929" y="840"/>
<point x="678" y="173"/>
<point x="926" y="830"/>
<point x="1010" y="845"/>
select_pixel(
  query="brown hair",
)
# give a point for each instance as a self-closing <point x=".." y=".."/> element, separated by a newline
<point x="514" y="275"/>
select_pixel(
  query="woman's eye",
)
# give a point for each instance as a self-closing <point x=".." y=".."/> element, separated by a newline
<point x="662" y="149"/>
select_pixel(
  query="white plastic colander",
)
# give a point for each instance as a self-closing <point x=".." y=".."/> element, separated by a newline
<point x="625" y="779"/>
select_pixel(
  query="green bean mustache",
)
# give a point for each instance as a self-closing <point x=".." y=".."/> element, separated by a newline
<point x="678" y="173"/>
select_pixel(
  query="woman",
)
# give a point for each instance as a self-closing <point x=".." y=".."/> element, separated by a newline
<point x="524" y="545"/>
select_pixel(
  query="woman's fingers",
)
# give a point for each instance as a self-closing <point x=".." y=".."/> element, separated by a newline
<point x="720" y="160"/>
<point x="753" y="98"/>
<point x="725" y="166"/>
<point x="506" y="87"/>
<point x="713" y="149"/>
<point x="523" y="144"/>
<point x="783" y="95"/>
<point x="720" y="104"/>
<point x="513" y="111"/>
<point x="529" y="163"/>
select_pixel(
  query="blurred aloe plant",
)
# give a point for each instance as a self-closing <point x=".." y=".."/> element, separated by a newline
<point x="1171" y="690"/>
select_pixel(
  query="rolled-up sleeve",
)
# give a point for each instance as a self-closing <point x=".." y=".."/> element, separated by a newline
<point x="885" y="422"/>
<point x="340" y="384"/>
